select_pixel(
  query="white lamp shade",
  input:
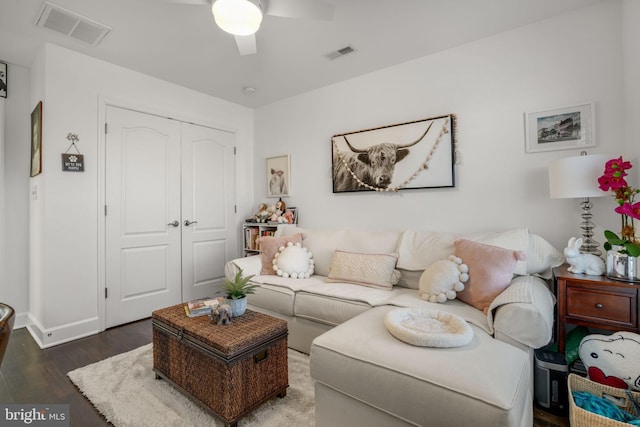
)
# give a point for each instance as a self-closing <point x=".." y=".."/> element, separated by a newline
<point x="575" y="177"/>
<point x="237" y="17"/>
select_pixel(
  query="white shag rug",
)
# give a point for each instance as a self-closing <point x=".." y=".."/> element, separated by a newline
<point x="124" y="390"/>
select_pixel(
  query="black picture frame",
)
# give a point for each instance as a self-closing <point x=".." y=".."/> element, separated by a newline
<point x="4" y="80"/>
<point x="417" y="154"/>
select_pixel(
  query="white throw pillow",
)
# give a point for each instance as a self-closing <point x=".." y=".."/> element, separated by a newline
<point x="443" y="279"/>
<point x="293" y="261"/>
<point x="373" y="270"/>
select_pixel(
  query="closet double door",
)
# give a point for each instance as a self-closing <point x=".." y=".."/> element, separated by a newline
<point x="169" y="209"/>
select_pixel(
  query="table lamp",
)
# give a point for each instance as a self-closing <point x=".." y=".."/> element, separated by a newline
<point x="577" y="177"/>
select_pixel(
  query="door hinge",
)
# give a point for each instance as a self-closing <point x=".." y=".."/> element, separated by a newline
<point x="234" y="151"/>
<point x="235" y="208"/>
<point x="105" y="128"/>
<point x="105" y="293"/>
<point x="105" y="210"/>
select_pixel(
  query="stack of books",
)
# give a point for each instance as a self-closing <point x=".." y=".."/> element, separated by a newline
<point x="201" y="307"/>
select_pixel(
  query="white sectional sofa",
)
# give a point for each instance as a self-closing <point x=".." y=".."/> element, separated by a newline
<point x="365" y="376"/>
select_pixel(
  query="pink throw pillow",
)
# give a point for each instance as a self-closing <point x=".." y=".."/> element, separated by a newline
<point x="269" y="246"/>
<point x="490" y="271"/>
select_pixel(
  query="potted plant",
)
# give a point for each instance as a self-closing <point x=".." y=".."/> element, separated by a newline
<point x="623" y="250"/>
<point x="237" y="290"/>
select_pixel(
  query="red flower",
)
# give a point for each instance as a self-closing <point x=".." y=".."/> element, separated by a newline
<point x="632" y="210"/>
<point x="616" y="165"/>
<point x="611" y="182"/>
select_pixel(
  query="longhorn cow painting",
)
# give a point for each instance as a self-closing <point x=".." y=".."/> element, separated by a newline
<point x="418" y="154"/>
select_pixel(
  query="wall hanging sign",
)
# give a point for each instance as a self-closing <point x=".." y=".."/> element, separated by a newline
<point x="419" y="154"/>
<point x="562" y="128"/>
<point x="3" y="80"/>
<point x="72" y="162"/>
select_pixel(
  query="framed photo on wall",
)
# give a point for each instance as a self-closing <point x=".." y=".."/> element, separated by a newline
<point x="36" y="140"/>
<point x="278" y="176"/>
<point x="418" y="154"/>
<point x="3" y="80"/>
<point x="563" y="128"/>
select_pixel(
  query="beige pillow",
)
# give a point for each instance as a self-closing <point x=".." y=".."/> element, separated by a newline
<point x="373" y="270"/>
<point x="490" y="271"/>
<point x="269" y="246"/>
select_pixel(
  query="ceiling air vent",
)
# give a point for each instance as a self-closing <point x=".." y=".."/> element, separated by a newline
<point x="71" y="24"/>
<point x="340" y="52"/>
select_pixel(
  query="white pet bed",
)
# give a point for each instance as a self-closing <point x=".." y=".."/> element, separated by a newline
<point x="428" y="328"/>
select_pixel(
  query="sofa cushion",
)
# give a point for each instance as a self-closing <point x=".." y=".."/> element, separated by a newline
<point x="431" y="386"/>
<point x="333" y="303"/>
<point x="322" y="243"/>
<point x="419" y="249"/>
<point x="269" y="246"/>
<point x="366" y="269"/>
<point x="327" y="310"/>
<point x="490" y="271"/>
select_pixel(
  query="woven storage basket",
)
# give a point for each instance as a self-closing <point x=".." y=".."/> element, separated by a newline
<point x="579" y="417"/>
<point x="229" y="369"/>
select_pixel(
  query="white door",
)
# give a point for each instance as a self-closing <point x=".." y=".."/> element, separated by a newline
<point x="170" y="196"/>
<point x="208" y="207"/>
<point x="143" y="260"/>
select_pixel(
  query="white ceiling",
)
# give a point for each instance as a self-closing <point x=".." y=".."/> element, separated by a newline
<point x="182" y="44"/>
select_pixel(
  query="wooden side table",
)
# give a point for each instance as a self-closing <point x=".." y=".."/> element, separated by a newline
<point x="595" y="301"/>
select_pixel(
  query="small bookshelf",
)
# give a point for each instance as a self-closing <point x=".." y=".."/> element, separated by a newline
<point x="251" y="232"/>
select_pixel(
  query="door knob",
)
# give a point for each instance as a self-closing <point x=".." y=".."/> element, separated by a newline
<point x="174" y="223"/>
<point x="188" y="223"/>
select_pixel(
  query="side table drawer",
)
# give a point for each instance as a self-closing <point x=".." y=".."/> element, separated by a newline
<point x="602" y="306"/>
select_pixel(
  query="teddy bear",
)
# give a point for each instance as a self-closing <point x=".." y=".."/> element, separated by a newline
<point x="612" y="359"/>
<point x="263" y="214"/>
<point x="442" y="279"/>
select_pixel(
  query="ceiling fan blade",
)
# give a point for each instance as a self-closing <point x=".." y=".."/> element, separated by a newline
<point x="246" y="44"/>
<point x="305" y="9"/>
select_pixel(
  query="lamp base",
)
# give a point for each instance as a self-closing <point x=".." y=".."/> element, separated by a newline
<point x="589" y="246"/>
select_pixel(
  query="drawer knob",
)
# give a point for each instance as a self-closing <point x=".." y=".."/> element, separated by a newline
<point x="598" y="305"/>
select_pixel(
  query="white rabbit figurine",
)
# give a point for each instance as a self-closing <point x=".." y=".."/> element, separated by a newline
<point x="582" y="263"/>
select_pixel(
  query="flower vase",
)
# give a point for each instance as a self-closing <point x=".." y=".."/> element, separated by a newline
<point x="238" y="306"/>
<point x="622" y="266"/>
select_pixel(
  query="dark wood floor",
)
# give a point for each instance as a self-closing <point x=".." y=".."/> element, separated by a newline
<point x="31" y="375"/>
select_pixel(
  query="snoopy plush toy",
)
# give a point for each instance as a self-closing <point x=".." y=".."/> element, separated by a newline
<point x="613" y="359"/>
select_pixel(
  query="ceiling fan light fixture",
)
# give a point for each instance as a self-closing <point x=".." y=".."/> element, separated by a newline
<point x="237" y="17"/>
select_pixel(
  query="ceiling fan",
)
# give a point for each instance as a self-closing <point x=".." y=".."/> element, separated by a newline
<point x="242" y="18"/>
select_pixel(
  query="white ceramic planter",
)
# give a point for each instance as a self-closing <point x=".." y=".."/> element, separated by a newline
<point x="238" y="306"/>
<point x="622" y="267"/>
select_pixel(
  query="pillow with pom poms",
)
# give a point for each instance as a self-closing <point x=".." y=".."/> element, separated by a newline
<point x="293" y="261"/>
<point x="443" y="279"/>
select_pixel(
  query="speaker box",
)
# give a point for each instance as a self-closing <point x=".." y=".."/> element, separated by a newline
<point x="550" y="381"/>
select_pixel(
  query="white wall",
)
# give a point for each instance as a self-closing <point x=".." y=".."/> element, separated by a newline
<point x="488" y="84"/>
<point x="631" y="31"/>
<point x="14" y="215"/>
<point x="65" y="217"/>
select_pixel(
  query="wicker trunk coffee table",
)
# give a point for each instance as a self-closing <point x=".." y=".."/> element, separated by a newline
<point x="228" y="369"/>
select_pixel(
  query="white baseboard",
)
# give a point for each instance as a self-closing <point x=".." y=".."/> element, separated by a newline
<point x="21" y="321"/>
<point x="61" y="334"/>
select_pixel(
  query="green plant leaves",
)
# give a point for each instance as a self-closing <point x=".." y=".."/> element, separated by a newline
<point x="239" y="287"/>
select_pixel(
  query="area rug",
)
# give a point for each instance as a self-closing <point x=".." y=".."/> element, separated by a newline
<point x="124" y="390"/>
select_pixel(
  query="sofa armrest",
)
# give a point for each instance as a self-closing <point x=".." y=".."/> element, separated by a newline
<point x="529" y="320"/>
<point x="249" y="265"/>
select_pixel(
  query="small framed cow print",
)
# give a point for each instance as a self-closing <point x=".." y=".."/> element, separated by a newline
<point x="418" y="154"/>
<point x="278" y="176"/>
